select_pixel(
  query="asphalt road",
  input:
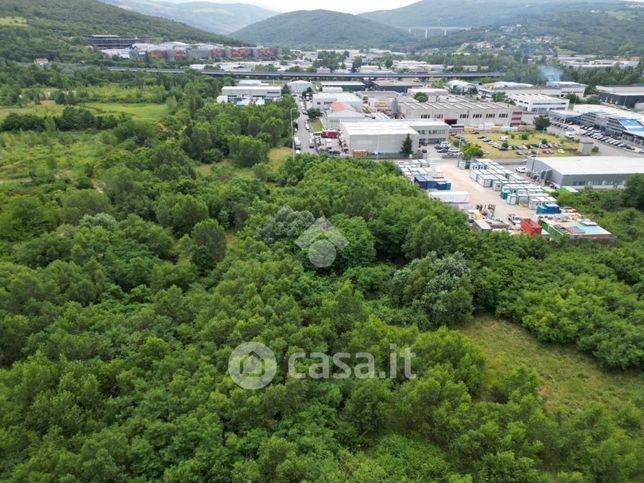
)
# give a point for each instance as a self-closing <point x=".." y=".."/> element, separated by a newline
<point x="304" y="134"/>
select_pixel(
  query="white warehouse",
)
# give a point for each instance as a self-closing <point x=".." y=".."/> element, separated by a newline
<point x="538" y="102"/>
<point x="387" y="136"/>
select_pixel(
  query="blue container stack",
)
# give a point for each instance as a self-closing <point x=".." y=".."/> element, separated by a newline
<point x="443" y="185"/>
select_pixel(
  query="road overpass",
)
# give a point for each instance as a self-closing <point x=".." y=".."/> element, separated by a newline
<point x="315" y="75"/>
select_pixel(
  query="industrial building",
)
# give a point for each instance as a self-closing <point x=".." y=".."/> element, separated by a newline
<point x="100" y="42"/>
<point x="455" y="110"/>
<point x="344" y="85"/>
<point x="250" y="93"/>
<point x="400" y="86"/>
<point x="387" y="136"/>
<point x="551" y="89"/>
<point x="538" y="103"/>
<point x="324" y="100"/>
<point x="627" y="96"/>
<point x="380" y="101"/>
<point x="299" y="86"/>
<point x="580" y="171"/>
<point x="339" y="113"/>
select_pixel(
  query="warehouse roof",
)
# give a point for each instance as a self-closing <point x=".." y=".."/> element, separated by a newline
<point x="636" y="90"/>
<point x="377" y="128"/>
<point x="452" y="102"/>
<point x="595" y="165"/>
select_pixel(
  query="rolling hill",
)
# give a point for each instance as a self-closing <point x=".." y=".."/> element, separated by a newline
<point x="221" y="18"/>
<point x="51" y="28"/>
<point x="323" y="28"/>
<point x="474" y="13"/>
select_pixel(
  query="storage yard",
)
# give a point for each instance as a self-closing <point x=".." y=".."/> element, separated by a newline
<point x="496" y="198"/>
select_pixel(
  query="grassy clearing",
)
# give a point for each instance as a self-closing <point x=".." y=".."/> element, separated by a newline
<point x="569" y="147"/>
<point x="13" y="22"/>
<point x="276" y="156"/>
<point x="141" y="112"/>
<point x="569" y="379"/>
<point x="316" y="125"/>
<point x="24" y="155"/>
<point x="42" y="109"/>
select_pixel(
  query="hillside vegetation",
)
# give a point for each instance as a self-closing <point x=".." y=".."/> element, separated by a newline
<point x="53" y="27"/>
<point x="324" y="29"/>
<point x="221" y="18"/>
<point x="474" y="13"/>
<point x="140" y="246"/>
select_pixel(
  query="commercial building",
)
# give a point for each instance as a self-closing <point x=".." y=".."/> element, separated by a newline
<point x="250" y="93"/>
<point x="538" y="103"/>
<point x="627" y="96"/>
<point x="580" y="171"/>
<point x="387" y="137"/>
<point x="324" y="100"/>
<point x="455" y="110"/>
<point x="611" y="120"/>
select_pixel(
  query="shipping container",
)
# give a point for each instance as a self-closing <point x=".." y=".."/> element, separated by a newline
<point x="530" y="226"/>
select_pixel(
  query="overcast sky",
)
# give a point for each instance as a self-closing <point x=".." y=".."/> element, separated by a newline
<point x="349" y="6"/>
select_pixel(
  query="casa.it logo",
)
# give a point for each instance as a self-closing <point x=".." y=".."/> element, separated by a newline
<point x="252" y="365"/>
<point x="323" y="241"/>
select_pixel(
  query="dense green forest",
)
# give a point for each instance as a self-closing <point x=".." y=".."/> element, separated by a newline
<point x="135" y="258"/>
<point x="51" y="28"/>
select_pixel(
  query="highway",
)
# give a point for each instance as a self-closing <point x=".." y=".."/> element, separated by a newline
<point x="314" y="75"/>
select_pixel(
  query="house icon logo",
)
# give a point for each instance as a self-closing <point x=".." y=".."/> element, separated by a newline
<point x="252" y="365"/>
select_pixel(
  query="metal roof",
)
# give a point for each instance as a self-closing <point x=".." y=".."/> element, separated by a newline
<point x="593" y="165"/>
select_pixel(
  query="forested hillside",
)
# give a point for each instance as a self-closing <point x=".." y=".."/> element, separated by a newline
<point x="221" y="18"/>
<point x="138" y="250"/>
<point x="324" y="29"/>
<point x="470" y="14"/>
<point x="50" y="28"/>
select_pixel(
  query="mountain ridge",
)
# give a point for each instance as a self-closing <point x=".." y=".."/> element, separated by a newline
<point x="219" y="18"/>
<point x="323" y="28"/>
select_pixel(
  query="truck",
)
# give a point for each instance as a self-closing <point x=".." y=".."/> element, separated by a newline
<point x="297" y="143"/>
<point x="329" y="133"/>
<point x="514" y="219"/>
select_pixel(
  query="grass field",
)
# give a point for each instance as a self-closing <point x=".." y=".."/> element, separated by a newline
<point x="24" y="155"/>
<point x="13" y="22"/>
<point x="569" y="147"/>
<point x="42" y="109"/>
<point x="316" y="125"/>
<point x="569" y="379"/>
<point x="143" y="112"/>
